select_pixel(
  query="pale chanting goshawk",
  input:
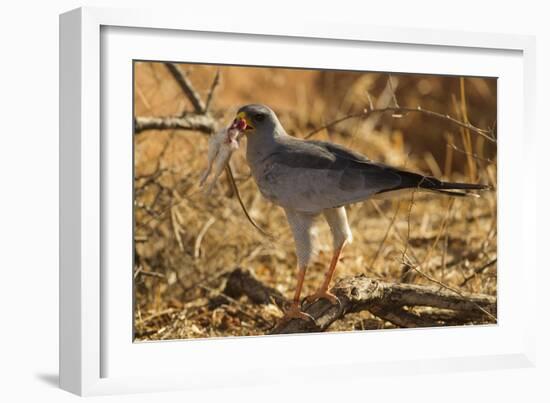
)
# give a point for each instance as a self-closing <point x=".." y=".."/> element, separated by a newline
<point x="308" y="178"/>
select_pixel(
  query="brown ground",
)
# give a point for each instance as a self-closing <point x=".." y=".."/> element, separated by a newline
<point x="186" y="241"/>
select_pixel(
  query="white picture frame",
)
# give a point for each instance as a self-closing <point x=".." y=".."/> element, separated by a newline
<point x="93" y="348"/>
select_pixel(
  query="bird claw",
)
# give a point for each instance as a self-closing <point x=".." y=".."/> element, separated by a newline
<point x="294" y="312"/>
<point x="323" y="294"/>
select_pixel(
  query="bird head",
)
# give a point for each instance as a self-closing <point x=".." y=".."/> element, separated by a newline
<point x="255" y="119"/>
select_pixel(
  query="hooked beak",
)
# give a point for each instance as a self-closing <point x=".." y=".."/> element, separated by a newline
<point x="242" y="123"/>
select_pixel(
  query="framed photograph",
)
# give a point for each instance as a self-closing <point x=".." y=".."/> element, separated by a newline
<point x="242" y="205"/>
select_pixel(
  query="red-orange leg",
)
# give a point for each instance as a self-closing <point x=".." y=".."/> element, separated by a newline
<point x="323" y="292"/>
<point x="295" y="312"/>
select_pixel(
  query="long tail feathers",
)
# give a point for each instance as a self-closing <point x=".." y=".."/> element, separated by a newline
<point x="411" y="181"/>
<point x="451" y="188"/>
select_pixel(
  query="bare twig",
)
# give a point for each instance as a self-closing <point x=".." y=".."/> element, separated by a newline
<point x="177" y="220"/>
<point x="369" y="98"/>
<point x="403" y="110"/>
<point x="474" y="156"/>
<point x="478" y="271"/>
<point x="186" y="87"/>
<point x="407" y="240"/>
<point x="393" y="96"/>
<point x="388" y="230"/>
<point x="394" y="228"/>
<point x="444" y="255"/>
<point x="156" y="315"/>
<point x="442" y="228"/>
<point x="458" y="292"/>
<point x="201" y="235"/>
<point x="151" y="274"/>
<point x="213" y="87"/>
<point x="466" y="137"/>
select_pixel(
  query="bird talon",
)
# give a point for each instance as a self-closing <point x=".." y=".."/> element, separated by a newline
<point x="294" y="312"/>
<point x="323" y="294"/>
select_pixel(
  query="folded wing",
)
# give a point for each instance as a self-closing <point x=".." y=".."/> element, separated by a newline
<point x="315" y="175"/>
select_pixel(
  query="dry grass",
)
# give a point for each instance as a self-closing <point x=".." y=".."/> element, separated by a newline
<point x="186" y="241"/>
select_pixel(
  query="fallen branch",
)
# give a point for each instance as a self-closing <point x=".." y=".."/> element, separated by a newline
<point x="242" y="282"/>
<point x="388" y="301"/>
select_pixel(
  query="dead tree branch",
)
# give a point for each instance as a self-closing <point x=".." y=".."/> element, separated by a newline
<point x="201" y="123"/>
<point x="242" y="282"/>
<point x="389" y="301"/>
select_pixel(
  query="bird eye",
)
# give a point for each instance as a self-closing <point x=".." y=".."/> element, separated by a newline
<point x="259" y="117"/>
